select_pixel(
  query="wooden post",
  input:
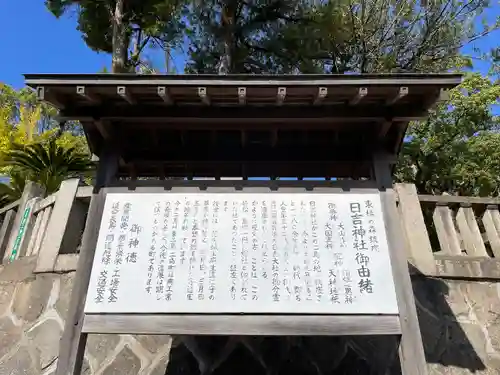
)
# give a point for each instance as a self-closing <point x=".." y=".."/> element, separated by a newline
<point x="5" y="230"/>
<point x="419" y="245"/>
<point x="73" y="341"/>
<point x="58" y="225"/>
<point x="31" y="190"/>
<point x="411" y="351"/>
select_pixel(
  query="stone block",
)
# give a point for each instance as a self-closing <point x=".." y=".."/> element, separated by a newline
<point x="153" y="342"/>
<point x="10" y="335"/>
<point x="160" y="368"/>
<point x="100" y="346"/>
<point x="62" y="304"/>
<point x="6" y="295"/>
<point x="484" y="301"/>
<point x="458" y="307"/>
<point x="45" y="339"/>
<point x="432" y="330"/>
<point x="19" y="270"/>
<point x="125" y="363"/>
<point x="85" y="369"/>
<point x="20" y="363"/>
<point x="464" y="347"/>
<point x="31" y="297"/>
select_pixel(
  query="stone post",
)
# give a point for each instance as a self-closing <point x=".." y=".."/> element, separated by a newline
<point x="418" y="243"/>
<point x="5" y="230"/>
<point x="23" y="222"/>
<point x="60" y="223"/>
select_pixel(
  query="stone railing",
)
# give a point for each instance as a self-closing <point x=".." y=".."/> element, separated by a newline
<point x="451" y="236"/>
<point x="447" y="236"/>
<point x="7" y="216"/>
<point x="49" y="228"/>
<point x="452" y="244"/>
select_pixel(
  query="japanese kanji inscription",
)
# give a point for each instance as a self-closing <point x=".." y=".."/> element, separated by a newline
<point x="242" y="253"/>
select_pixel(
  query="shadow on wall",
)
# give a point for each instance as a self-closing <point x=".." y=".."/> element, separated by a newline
<point x="446" y="344"/>
<point x="446" y="341"/>
<point x="282" y="355"/>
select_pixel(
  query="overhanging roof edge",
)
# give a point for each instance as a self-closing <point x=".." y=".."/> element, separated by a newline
<point x="443" y="80"/>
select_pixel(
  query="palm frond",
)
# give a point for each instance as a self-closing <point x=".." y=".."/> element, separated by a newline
<point x="48" y="163"/>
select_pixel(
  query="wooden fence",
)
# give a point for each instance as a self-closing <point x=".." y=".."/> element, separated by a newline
<point x="446" y="236"/>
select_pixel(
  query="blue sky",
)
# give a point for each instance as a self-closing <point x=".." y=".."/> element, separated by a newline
<point x="34" y="41"/>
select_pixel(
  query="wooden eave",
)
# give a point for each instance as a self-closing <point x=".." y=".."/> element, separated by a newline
<point x="244" y="125"/>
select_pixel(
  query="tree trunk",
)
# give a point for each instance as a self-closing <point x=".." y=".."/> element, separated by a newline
<point x="228" y="14"/>
<point x="120" y="40"/>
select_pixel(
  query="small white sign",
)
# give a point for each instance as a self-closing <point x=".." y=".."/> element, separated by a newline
<point x="242" y="253"/>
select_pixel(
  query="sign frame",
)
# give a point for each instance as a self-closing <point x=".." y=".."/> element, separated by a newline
<point x="149" y="260"/>
<point x="236" y="324"/>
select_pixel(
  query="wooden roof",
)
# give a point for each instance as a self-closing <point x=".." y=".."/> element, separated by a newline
<point x="244" y="125"/>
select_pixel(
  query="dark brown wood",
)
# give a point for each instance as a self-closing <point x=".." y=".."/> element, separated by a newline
<point x="245" y="152"/>
<point x="342" y="185"/>
<point x="269" y="114"/>
<point x="362" y="111"/>
<point x="362" y="92"/>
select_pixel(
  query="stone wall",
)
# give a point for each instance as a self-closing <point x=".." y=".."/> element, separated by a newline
<point x="460" y="324"/>
<point x="32" y="312"/>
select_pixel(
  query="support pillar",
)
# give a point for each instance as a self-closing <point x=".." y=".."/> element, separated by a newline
<point x="411" y="350"/>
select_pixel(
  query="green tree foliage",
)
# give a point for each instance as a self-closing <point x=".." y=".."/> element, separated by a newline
<point x="48" y="163"/>
<point x="15" y="103"/>
<point x="291" y="36"/>
<point x="112" y="26"/>
<point x="236" y="36"/>
<point x="12" y="191"/>
<point x="26" y="124"/>
<point x="457" y="149"/>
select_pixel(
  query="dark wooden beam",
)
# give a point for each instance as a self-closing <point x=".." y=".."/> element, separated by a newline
<point x="362" y="92"/>
<point x="126" y="94"/>
<point x="384" y="128"/>
<point x="280" y="96"/>
<point x="250" y="153"/>
<point x="50" y="96"/>
<point x="322" y="94"/>
<point x="242" y="95"/>
<point x="246" y="113"/>
<point x="88" y="95"/>
<point x="202" y="93"/>
<point x="163" y="94"/>
<point x="438" y="97"/>
<point x="402" y="92"/>
<point x="274" y="137"/>
<point x="243" y="138"/>
<point x="253" y="169"/>
<point x="103" y="129"/>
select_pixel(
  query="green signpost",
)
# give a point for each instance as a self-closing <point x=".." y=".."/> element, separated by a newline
<point x="20" y="233"/>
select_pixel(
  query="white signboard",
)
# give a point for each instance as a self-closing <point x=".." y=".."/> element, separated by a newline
<point x="242" y="253"/>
